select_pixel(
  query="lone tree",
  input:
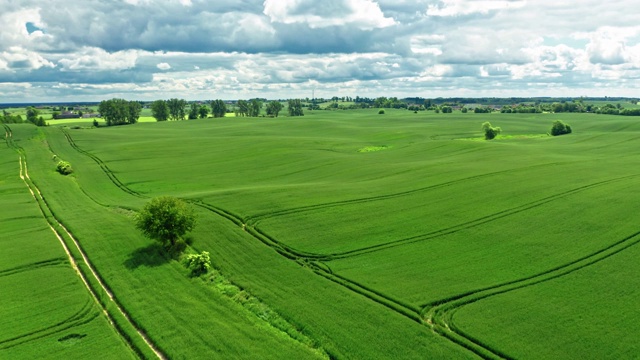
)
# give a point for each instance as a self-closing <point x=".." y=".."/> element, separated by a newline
<point x="166" y="219"/>
<point x="560" y="128"/>
<point x="490" y="132"/>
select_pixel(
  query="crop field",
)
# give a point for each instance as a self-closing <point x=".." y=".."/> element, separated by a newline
<point x="356" y="235"/>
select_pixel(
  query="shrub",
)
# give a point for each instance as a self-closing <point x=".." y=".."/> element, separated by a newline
<point x="560" y="128"/>
<point x="381" y="112"/>
<point x="199" y="264"/>
<point x="490" y="132"/>
<point x="64" y="168"/>
<point x="95" y="123"/>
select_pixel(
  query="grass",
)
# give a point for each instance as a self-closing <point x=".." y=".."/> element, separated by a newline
<point x="46" y="311"/>
<point x="322" y="227"/>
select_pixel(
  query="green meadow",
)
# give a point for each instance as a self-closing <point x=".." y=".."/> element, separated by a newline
<point x="340" y="234"/>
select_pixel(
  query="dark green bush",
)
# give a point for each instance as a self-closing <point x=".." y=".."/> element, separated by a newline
<point x="64" y="168"/>
<point x="490" y="132"/>
<point x="560" y="128"/>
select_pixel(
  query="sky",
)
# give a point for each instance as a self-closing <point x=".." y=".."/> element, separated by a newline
<point x="92" y="50"/>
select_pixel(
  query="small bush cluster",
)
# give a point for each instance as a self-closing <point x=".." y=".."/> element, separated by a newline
<point x="198" y="263"/>
<point x="64" y="168"/>
<point x="381" y="112"/>
<point x="490" y="132"/>
<point x="560" y="128"/>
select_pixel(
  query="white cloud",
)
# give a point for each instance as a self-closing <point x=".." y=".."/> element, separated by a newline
<point x="466" y="7"/>
<point x="91" y="58"/>
<point x="364" y="14"/>
<point x="163" y="66"/>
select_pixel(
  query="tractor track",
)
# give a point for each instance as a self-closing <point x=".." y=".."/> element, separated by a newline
<point x="438" y="315"/>
<point x="55" y="224"/>
<point x="254" y="219"/>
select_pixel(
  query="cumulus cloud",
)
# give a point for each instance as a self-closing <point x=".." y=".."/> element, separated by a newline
<point x="466" y="7"/>
<point x="365" y="14"/>
<point x="281" y="48"/>
<point x="164" y="66"/>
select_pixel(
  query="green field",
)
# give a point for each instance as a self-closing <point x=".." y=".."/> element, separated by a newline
<point x="359" y="235"/>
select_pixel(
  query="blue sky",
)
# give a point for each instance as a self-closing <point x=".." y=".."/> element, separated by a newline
<point x="60" y="50"/>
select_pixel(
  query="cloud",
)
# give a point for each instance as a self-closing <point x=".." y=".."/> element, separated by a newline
<point x="280" y="48"/>
<point x="91" y="58"/>
<point x="164" y="66"/>
<point x="364" y="14"/>
<point x="465" y="7"/>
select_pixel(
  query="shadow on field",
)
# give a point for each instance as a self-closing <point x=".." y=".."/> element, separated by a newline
<point x="150" y="256"/>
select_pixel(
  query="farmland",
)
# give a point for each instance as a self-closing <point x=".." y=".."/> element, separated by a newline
<point x="403" y="235"/>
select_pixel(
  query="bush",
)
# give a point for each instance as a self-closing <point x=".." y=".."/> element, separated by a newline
<point x="490" y="132"/>
<point x="95" y="123"/>
<point x="64" y="168"/>
<point x="381" y="112"/>
<point x="199" y="264"/>
<point x="560" y="128"/>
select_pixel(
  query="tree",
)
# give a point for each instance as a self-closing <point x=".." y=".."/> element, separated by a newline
<point x="113" y="111"/>
<point x="242" y="108"/>
<point x="295" y="107"/>
<point x="560" y="128"/>
<point x="254" y="108"/>
<point x="490" y="132"/>
<point x="273" y="108"/>
<point x="218" y="108"/>
<point x="194" y="111"/>
<point x="133" y="112"/>
<point x="203" y="112"/>
<point x="446" y="109"/>
<point x="177" y="109"/>
<point x="160" y="110"/>
<point x="166" y="219"/>
<point x="32" y="115"/>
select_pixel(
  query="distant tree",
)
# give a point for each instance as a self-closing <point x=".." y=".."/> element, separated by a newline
<point x="113" y="111"/>
<point x="166" y="219"/>
<point x="295" y="107"/>
<point x="133" y="112"/>
<point x="242" y="108"/>
<point x="254" y="108"/>
<point x="464" y="110"/>
<point x="218" y="108"/>
<point x="160" y="110"/>
<point x="119" y="111"/>
<point x="194" y="110"/>
<point x="32" y="115"/>
<point x="560" y="128"/>
<point x="446" y="109"/>
<point x="177" y="109"/>
<point x="274" y="107"/>
<point x="490" y="132"/>
<point x="203" y="112"/>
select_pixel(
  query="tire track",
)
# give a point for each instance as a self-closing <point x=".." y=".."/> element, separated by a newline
<point x="76" y="319"/>
<point x="440" y="314"/>
<point x="254" y="219"/>
<point x="55" y="224"/>
<point x="33" y="266"/>
<point x="114" y="179"/>
<point x="469" y="224"/>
